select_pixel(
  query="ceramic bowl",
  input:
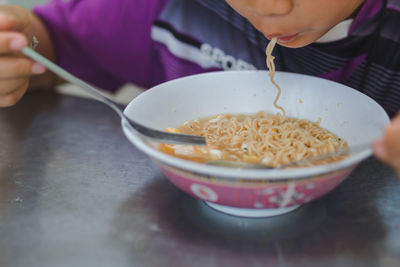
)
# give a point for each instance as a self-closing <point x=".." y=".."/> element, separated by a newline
<point x="346" y="112"/>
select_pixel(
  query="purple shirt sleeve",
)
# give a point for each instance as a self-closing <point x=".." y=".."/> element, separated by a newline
<point x="105" y="42"/>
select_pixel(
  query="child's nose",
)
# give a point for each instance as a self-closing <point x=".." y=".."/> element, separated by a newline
<point x="271" y="7"/>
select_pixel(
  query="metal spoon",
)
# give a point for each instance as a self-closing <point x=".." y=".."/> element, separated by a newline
<point x="337" y="153"/>
<point x="164" y="137"/>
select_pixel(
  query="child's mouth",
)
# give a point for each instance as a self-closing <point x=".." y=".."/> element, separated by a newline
<point x="282" y="38"/>
<point x="286" y="38"/>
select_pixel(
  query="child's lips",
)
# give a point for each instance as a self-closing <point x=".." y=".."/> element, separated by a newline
<point x="283" y="38"/>
<point x="286" y="38"/>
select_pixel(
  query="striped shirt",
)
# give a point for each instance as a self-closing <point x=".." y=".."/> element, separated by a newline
<point x="147" y="42"/>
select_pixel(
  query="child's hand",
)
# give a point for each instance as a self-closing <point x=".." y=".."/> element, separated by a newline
<point x="388" y="149"/>
<point x="16" y="32"/>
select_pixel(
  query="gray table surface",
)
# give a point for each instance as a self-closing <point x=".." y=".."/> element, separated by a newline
<point x="75" y="192"/>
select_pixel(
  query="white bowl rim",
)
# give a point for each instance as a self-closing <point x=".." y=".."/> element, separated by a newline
<point x="227" y="173"/>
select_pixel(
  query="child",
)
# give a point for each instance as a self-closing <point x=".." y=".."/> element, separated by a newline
<point x="109" y="43"/>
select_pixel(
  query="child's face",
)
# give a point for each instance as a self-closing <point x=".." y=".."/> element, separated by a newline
<point x="296" y="23"/>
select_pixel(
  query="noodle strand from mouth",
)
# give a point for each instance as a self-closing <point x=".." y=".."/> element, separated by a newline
<point x="271" y="67"/>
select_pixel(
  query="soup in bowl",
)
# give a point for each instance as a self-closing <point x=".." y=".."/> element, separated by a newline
<point x="341" y="110"/>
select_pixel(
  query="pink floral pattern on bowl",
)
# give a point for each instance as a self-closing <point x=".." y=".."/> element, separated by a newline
<point x="254" y="194"/>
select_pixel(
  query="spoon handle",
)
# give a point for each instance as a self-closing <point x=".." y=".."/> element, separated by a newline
<point x="152" y="133"/>
<point x="70" y="78"/>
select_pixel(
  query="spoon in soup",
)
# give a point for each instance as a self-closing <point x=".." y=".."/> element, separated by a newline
<point x="164" y="137"/>
<point x="331" y="155"/>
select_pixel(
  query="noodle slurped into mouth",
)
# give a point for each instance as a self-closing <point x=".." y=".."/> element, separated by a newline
<point x="271" y="67"/>
<point x="260" y="138"/>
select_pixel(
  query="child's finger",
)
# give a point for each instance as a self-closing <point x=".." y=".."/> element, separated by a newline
<point x="12" y="42"/>
<point x="7" y="87"/>
<point x="11" y="68"/>
<point x="13" y="96"/>
<point x="392" y="137"/>
<point x="388" y="149"/>
<point x="379" y="148"/>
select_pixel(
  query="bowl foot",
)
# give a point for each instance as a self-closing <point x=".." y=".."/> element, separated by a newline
<point x="253" y="213"/>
